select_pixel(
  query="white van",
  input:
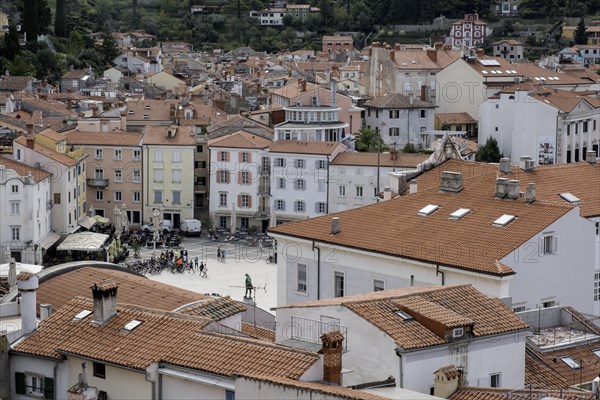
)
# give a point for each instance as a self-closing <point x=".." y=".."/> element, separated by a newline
<point x="191" y="227"/>
<point x="166" y="226"/>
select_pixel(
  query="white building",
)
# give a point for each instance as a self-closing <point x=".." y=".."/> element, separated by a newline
<point x="551" y="126"/>
<point x="270" y="16"/>
<point x="301" y="174"/>
<point x="482" y="234"/>
<point x="353" y="177"/>
<point x="26" y="223"/>
<point x="400" y="119"/>
<point x="414" y="331"/>
<point x="239" y="180"/>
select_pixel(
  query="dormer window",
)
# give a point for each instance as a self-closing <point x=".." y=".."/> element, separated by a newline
<point x="147" y="106"/>
<point x="458" y="332"/>
<point x="146" y="116"/>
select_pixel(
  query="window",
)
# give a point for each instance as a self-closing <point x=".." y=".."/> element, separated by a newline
<point x="245" y="200"/>
<point x="299" y="206"/>
<point x="570" y="362"/>
<point x="14" y="188"/>
<point x="394" y="132"/>
<point x="301" y="278"/>
<point x="15" y="208"/>
<point x="137" y="197"/>
<point x="177" y="156"/>
<point x="585" y="127"/>
<point x="158" y="175"/>
<point x="136" y="155"/>
<point x="223" y="222"/>
<point x="299" y="184"/>
<point x="118" y="175"/>
<point x="458" y="332"/>
<point x="321" y="164"/>
<point x="423" y="113"/>
<point x="99" y="370"/>
<point x="338" y="289"/>
<point x="118" y="195"/>
<point x="320" y="207"/>
<point x="245" y="157"/>
<point x="56" y="198"/>
<point x="223" y="156"/>
<point x="342" y="191"/>
<point x="548" y="304"/>
<point x="99" y="195"/>
<point x="245" y="177"/>
<point x="137" y="175"/>
<point x="299" y="163"/>
<point x="378" y="285"/>
<point x="229" y="395"/>
<point x="279" y="162"/>
<point x="199" y="149"/>
<point x="176" y="196"/>
<point x="223" y="177"/>
<point x="158" y="196"/>
<point x="518" y="309"/>
<point x="394" y="114"/>
<point x="280" y="205"/>
<point x="176" y="176"/>
<point x="118" y="154"/>
<point x="222" y="199"/>
<point x="16" y="232"/>
<point x="280" y="183"/>
<point x="359" y="191"/>
<point x="549" y="245"/>
<point x="158" y="156"/>
<point x="98" y="154"/>
<point x="495" y="380"/>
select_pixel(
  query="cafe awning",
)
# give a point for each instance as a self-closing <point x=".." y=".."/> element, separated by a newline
<point x="49" y="240"/>
<point x="87" y="223"/>
<point x="83" y="241"/>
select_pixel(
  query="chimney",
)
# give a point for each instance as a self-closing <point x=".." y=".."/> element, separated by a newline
<point x="335" y="225"/>
<point x="387" y="193"/>
<point x="480" y="53"/>
<point x="501" y="187"/>
<point x="105" y="300"/>
<point x="412" y="186"/>
<point x="446" y="381"/>
<point x="505" y="165"/>
<point x="45" y="311"/>
<point x="522" y="161"/>
<point x="332" y="357"/>
<point x="513" y="189"/>
<point x="451" y="182"/>
<point x="530" y="193"/>
<point x="432" y="54"/>
<point x="424" y="93"/>
<point x="411" y="99"/>
<point x="302" y="84"/>
<point x="28" y="284"/>
<point x="590" y="156"/>
<point x="438" y="46"/>
<point x="83" y="379"/>
<point x="30" y="138"/>
<point x="528" y="166"/>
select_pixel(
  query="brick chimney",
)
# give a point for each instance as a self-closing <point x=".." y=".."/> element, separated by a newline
<point x="332" y="357"/>
<point x="432" y="54"/>
<point x="29" y="136"/>
<point x="28" y="285"/>
<point x="105" y="300"/>
<point x="480" y="53"/>
<point x="438" y="46"/>
<point x="451" y="182"/>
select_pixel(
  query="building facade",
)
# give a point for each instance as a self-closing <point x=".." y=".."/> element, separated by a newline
<point x="468" y="32"/>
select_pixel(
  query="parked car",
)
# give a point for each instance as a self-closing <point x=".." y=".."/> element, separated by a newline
<point x="191" y="227"/>
<point x="166" y="226"/>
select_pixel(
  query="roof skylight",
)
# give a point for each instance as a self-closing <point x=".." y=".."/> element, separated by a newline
<point x="596" y="352"/>
<point x="504" y="220"/>
<point x="403" y="315"/>
<point x="82" y="315"/>
<point x="428" y="209"/>
<point x="570" y="362"/>
<point x="570" y="198"/>
<point x="131" y="325"/>
<point x="461" y="212"/>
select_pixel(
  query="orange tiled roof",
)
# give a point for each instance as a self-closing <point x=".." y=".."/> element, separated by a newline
<point x="50" y="134"/>
<point x="408" y="59"/>
<point x="486" y="393"/>
<point x="258" y="332"/>
<point x="54" y="155"/>
<point x="403" y="160"/>
<point x="118" y="138"/>
<point x="162" y="336"/>
<point x="240" y="140"/>
<point x="155" y="135"/>
<point x="394" y="228"/>
<point x="156" y="110"/>
<point x="216" y="308"/>
<point x="580" y="179"/>
<point x="297" y="147"/>
<point x="24" y="169"/>
<point x="455" y="118"/>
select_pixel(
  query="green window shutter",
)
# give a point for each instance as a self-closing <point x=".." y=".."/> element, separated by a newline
<point x="20" y="382"/>
<point x="49" y="388"/>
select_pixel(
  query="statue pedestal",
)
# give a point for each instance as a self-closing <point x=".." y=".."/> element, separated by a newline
<point x="249" y="301"/>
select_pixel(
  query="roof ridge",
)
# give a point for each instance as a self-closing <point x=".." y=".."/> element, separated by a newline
<point x="430" y="289"/>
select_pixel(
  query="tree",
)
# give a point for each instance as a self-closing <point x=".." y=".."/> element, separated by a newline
<point x="581" y="35"/>
<point x="11" y="47"/>
<point x="409" y="148"/>
<point x="60" y="18"/>
<point x="369" y="140"/>
<point x="109" y="49"/>
<point x="20" y="67"/>
<point x="36" y="18"/>
<point x="489" y="152"/>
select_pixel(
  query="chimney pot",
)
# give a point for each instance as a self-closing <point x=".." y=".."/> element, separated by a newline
<point x="590" y="156"/>
<point x="332" y="356"/>
<point x="335" y="225"/>
<point x="28" y="285"/>
<point x="528" y="166"/>
<point x="83" y="375"/>
<point x="513" y="189"/>
<point x="387" y="193"/>
<point x="45" y="311"/>
<point x="505" y="165"/>
<point x="412" y="186"/>
<point x="451" y="182"/>
<point x="501" y="187"/>
<point x="432" y="54"/>
<point x="530" y="193"/>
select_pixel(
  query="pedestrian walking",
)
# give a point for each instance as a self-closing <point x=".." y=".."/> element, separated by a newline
<point x="195" y="263"/>
<point x="219" y="253"/>
<point x="205" y="271"/>
<point x="223" y="255"/>
<point x="184" y="254"/>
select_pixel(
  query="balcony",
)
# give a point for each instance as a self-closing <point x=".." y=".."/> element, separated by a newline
<point x="310" y="330"/>
<point x="76" y="154"/>
<point x="97" y="183"/>
<point x="199" y="188"/>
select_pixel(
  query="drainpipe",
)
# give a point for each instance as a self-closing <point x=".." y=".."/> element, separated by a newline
<point x="318" y="269"/>
<point x="438" y="272"/>
<point x="55" y="374"/>
<point x="400" y="372"/>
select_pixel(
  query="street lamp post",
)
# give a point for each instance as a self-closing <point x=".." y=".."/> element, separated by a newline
<point x="155" y="214"/>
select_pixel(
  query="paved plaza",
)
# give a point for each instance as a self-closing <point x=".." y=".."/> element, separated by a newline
<point x="224" y="278"/>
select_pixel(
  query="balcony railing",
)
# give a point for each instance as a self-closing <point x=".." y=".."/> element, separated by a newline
<point x="97" y="182"/>
<point x="310" y="330"/>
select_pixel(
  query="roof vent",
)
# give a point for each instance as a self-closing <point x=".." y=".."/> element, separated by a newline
<point x="501" y="187"/>
<point x="458" y="214"/>
<point x="335" y="225"/>
<point x="82" y="315"/>
<point x="590" y="156"/>
<point x="528" y="165"/>
<point x="504" y="220"/>
<point x="570" y="198"/>
<point x="131" y="325"/>
<point x="513" y="189"/>
<point x="451" y="182"/>
<point x="505" y="165"/>
<point x="427" y="210"/>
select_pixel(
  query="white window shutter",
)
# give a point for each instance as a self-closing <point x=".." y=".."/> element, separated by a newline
<point x="555" y="245"/>
<point x="541" y="248"/>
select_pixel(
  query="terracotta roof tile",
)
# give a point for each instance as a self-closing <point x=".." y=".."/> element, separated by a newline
<point x="51" y="134"/>
<point x="24" y="169"/>
<point x="241" y="140"/>
<point x="436" y="238"/>
<point x="155" y="135"/>
<point x="403" y="160"/>
<point x="397" y="100"/>
<point x="216" y="308"/>
<point x="455" y="118"/>
<point x="54" y="155"/>
<point x="485" y="393"/>
<point x="258" y="332"/>
<point x="104" y="138"/>
<point x="169" y="337"/>
<point x="417" y="58"/>
<point x="156" y="110"/>
<point x="14" y="83"/>
<point x="293" y="146"/>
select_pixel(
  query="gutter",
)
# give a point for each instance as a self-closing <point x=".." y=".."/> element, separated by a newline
<point x="437" y="272"/>
<point x="400" y="371"/>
